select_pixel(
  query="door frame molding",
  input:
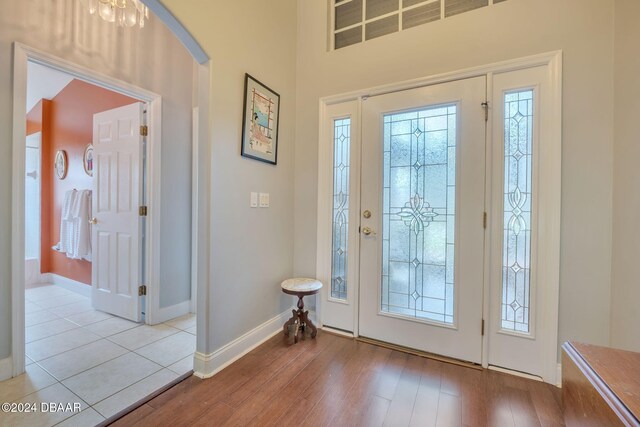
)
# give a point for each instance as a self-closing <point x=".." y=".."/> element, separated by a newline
<point x="22" y="55"/>
<point x="552" y="60"/>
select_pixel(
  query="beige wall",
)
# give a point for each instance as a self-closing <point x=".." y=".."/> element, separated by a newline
<point x="251" y="249"/>
<point x="153" y="59"/>
<point x="625" y="304"/>
<point x="583" y="29"/>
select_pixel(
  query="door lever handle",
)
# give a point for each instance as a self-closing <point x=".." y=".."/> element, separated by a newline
<point x="93" y="221"/>
<point x="368" y="231"/>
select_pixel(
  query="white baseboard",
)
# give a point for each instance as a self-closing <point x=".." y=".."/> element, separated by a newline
<point x="68" y="284"/>
<point x="207" y="365"/>
<point x="6" y="368"/>
<point x="173" y="311"/>
<point x="32" y="274"/>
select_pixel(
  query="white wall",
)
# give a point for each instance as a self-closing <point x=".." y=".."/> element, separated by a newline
<point x="251" y="249"/>
<point x="583" y="29"/>
<point x="152" y="59"/>
<point x="625" y="312"/>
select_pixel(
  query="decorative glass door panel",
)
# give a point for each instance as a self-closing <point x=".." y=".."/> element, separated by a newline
<point x="418" y="213"/>
<point x="422" y="235"/>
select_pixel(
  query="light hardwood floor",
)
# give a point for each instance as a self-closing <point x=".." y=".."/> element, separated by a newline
<point x="336" y="381"/>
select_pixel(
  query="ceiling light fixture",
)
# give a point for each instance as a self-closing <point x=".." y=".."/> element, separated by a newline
<point x="126" y="13"/>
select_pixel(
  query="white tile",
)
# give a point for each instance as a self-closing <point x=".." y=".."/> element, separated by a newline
<point x="113" y="326"/>
<point x="87" y="418"/>
<point x="184" y="322"/>
<point x="88" y="317"/>
<point x="183" y="366"/>
<point x="192" y="331"/>
<point x="31" y="307"/>
<point x="111" y="377"/>
<point x="80" y="359"/>
<point x="138" y="337"/>
<point x="134" y="393"/>
<point x="45" y="292"/>
<point x="60" y="343"/>
<point x="61" y="300"/>
<point x="37" y="317"/>
<point x="27" y="361"/>
<point x="71" y="309"/>
<point x="48" y="329"/>
<point x="55" y="394"/>
<point x="169" y="350"/>
<point x="35" y="378"/>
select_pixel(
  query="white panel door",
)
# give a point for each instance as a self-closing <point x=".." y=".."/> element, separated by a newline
<point x="116" y="197"/>
<point x="422" y="234"/>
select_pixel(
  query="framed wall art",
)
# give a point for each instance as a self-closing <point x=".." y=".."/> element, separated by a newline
<point x="87" y="160"/>
<point x="260" y="121"/>
<point x="61" y="164"/>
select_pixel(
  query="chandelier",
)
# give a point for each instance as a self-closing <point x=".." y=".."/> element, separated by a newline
<point x="126" y="13"/>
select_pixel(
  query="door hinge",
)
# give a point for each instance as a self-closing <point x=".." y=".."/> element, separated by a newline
<point x="142" y="211"/>
<point x="142" y="290"/>
<point x="144" y="130"/>
<point x="484" y="220"/>
<point x="485" y="106"/>
<point x="482" y="328"/>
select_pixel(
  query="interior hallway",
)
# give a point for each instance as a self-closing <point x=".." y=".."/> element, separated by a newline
<point x="105" y="363"/>
<point x="336" y="381"/>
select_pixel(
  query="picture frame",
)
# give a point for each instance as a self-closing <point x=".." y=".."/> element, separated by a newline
<point x="61" y="164"/>
<point x="260" y="121"/>
<point x="87" y="160"/>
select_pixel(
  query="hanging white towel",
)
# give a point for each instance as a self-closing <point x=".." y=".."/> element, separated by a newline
<point x="66" y="222"/>
<point x="81" y="212"/>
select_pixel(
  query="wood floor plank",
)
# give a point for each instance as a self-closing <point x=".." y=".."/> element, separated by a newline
<point x="291" y="393"/>
<point x="273" y="386"/>
<point x="425" y="410"/>
<point x="323" y="411"/>
<point x="353" y="406"/>
<point x="336" y="381"/>
<point x="404" y="399"/>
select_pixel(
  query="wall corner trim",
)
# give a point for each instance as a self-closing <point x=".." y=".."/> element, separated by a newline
<point x="207" y="365"/>
<point x="6" y="368"/>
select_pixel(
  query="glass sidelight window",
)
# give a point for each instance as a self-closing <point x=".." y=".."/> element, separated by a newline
<point x="341" y="147"/>
<point x="518" y="153"/>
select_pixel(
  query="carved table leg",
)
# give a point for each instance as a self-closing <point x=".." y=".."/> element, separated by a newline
<point x="309" y="324"/>
<point x="290" y="322"/>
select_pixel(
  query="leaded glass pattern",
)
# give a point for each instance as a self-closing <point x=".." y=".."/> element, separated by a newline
<point x="341" y="147"/>
<point x="419" y="193"/>
<point x="518" y="152"/>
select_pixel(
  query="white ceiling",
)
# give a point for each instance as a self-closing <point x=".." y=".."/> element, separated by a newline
<point x="44" y="82"/>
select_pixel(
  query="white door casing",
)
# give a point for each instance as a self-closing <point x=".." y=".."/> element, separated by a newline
<point x="460" y="337"/>
<point x="116" y="197"/>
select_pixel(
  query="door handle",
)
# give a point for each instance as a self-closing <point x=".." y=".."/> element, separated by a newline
<point x="93" y="221"/>
<point x="368" y="231"/>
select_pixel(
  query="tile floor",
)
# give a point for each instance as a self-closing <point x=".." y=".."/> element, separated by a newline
<point x="103" y="362"/>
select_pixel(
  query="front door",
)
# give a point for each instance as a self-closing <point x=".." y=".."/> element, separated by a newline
<point x="116" y="196"/>
<point x="421" y="225"/>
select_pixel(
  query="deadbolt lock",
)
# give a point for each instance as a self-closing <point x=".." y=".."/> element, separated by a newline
<point x="366" y="214"/>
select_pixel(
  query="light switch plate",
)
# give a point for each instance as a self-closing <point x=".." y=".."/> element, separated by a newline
<point x="254" y="200"/>
<point x="264" y="200"/>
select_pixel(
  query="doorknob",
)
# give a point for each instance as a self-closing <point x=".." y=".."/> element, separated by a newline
<point x="366" y="214"/>
<point x="368" y="231"/>
<point x="93" y="221"/>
